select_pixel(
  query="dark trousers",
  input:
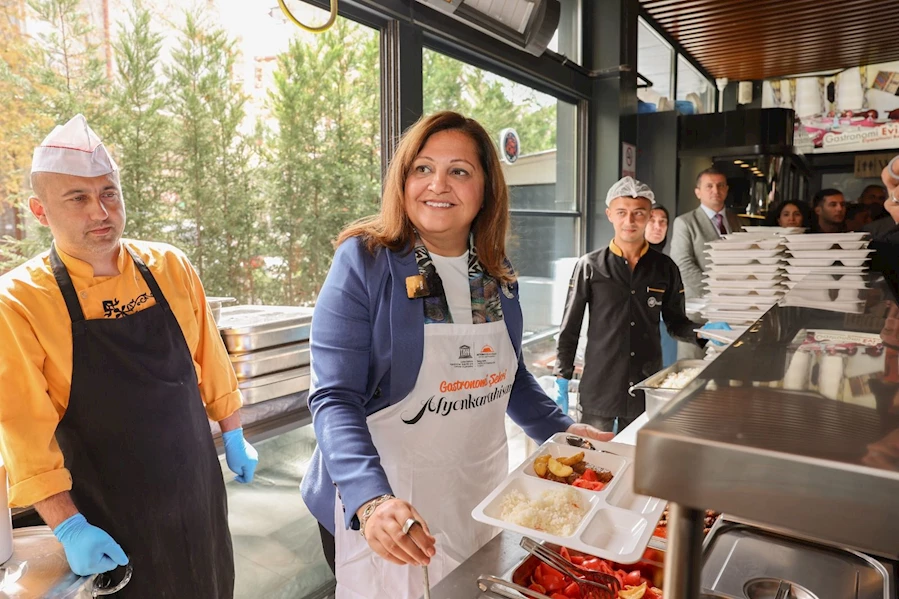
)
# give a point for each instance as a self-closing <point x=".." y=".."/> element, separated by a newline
<point x="607" y="424"/>
<point x="328" y="546"/>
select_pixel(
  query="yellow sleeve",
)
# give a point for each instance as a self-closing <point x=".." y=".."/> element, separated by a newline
<point x="28" y="417"/>
<point x="218" y="383"/>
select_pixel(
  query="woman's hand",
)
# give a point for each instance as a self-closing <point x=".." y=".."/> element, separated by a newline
<point x="585" y="430"/>
<point x="384" y="533"/>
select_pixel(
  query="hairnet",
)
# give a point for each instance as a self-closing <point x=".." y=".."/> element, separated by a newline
<point x="628" y="187"/>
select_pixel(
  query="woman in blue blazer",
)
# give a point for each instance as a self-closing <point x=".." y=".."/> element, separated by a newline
<point x="416" y="360"/>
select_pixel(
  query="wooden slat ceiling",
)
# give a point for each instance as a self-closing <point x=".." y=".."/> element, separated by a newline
<point x="763" y="39"/>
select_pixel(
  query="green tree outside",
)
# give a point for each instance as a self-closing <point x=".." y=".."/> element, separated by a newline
<point x="256" y="205"/>
<point x="140" y="132"/>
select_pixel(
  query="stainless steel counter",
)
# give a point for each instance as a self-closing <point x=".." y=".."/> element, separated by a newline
<point x="795" y="426"/>
<point x="497" y="557"/>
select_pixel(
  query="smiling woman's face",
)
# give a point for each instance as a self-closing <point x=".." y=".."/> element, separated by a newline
<point x="445" y="190"/>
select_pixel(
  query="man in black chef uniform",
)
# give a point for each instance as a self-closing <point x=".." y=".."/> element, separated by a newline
<point x="627" y="286"/>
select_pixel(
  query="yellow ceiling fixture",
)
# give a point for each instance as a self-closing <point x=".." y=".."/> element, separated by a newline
<point x="316" y="29"/>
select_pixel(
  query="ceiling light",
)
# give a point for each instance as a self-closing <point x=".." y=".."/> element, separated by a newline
<point x="525" y="24"/>
<point x="744" y="165"/>
<point x="738" y="162"/>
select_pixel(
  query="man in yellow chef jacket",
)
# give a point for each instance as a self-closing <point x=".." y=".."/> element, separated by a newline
<point x="108" y="355"/>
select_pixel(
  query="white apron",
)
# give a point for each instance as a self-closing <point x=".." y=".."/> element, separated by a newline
<point x="444" y="449"/>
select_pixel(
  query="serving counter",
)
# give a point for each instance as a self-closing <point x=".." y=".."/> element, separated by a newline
<point x="793" y="433"/>
<point x="795" y="427"/>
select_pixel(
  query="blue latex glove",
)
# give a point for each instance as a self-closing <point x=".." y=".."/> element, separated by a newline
<point x="562" y="393"/>
<point x="89" y="550"/>
<point x="716" y="326"/>
<point x="240" y="455"/>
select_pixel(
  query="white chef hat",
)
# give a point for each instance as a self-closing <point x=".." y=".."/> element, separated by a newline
<point x="628" y="187"/>
<point x="73" y="149"/>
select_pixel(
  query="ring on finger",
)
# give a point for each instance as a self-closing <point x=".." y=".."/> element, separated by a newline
<point x="408" y="524"/>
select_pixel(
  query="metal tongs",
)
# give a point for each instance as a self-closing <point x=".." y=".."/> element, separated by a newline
<point x="593" y="585"/>
<point x="491" y="586"/>
<point x="104" y="584"/>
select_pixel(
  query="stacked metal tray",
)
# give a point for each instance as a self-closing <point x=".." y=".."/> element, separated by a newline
<point x="269" y="349"/>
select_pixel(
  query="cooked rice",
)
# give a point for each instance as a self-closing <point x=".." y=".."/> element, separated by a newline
<point x="557" y="512"/>
<point x="679" y="380"/>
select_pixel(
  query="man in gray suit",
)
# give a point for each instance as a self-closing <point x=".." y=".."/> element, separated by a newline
<point x="693" y="230"/>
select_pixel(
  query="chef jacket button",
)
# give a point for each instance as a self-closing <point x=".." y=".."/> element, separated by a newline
<point x="632" y="323"/>
<point x="83" y="294"/>
<point x="631" y="383"/>
<point x="632" y="354"/>
<point x="633" y="292"/>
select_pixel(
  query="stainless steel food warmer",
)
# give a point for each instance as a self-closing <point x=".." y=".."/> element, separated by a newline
<point x="817" y="463"/>
<point x="251" y="328"/>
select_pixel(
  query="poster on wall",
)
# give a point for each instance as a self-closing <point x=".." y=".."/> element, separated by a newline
<point x="856" y="110"/>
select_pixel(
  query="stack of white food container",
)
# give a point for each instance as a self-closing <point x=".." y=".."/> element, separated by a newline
<point x="746" y="275"/>
<point x="831" y="268"/>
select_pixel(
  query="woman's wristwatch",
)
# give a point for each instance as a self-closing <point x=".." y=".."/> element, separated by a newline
<point x="370" y="508"/>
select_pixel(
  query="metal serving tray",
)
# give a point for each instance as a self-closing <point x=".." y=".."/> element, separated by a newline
<point x="657" y="396"/>
<point x="250" y="328"/>
<point x="743" y="561"/>
<point x="258" y="363"/>
<point x="650" y="567"/>
<point x="271" y="386"/>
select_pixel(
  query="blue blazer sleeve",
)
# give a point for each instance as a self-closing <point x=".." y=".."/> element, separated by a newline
<point x="341" y="349"/>
<point x="532" y="409"/>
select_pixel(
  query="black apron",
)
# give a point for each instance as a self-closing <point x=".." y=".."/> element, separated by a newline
<point x="136" y="439"/>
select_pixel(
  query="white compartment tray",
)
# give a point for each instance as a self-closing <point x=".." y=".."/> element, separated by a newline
<point x="713" y="284"/>
<point x="750" y="269"/>
<point x="748" y="243"/>
<point x="813" y="275"/>
<point x="618" y="523"/>
<point x="833" y="254"/>
<point x="742" y="259"/>
<point x="826" y="270"/>
<point x="743" y="291"/>
<point x="821" y="237"/>
<point x="826" y="245"/>
<point x="825" y="262"/>
<point x="718" y="275"/>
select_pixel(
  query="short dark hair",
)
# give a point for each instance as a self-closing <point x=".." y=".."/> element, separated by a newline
<point x="662" y="208"/>
<point x="709" y="171"/>
<point x="872" y="186"/>
<point x="825" y="193"/>
<point x="772" y="218"/>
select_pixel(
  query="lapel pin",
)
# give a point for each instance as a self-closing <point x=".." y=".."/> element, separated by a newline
<point x="416" y="287"/>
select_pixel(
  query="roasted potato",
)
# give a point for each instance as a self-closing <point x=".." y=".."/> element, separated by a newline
<point x="559" y="469"/>
<point x="572" y="460"/>
<point x="540" y="465"/>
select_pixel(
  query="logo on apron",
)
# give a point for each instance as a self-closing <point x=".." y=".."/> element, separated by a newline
<point x="464" y="352"/>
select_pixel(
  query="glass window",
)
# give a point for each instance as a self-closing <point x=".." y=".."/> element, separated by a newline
<point x="694" y="88"/>
<point x="243" y="140"/>
<point x="655" y="57"/>
<point x="542" y="179"/>
<point x="543" y="250"/>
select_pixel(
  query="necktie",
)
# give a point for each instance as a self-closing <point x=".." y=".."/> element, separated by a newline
<point x="719" y="224"/>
